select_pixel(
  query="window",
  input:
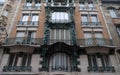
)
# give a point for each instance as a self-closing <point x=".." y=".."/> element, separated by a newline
<point x="20" y="37"/>
<point x="31" y="37"/>
<point x="99" y="63"/>
<point x="60" y="17"/>
<point x="82" y="6"/>
<point x="29" y="3"/>
<point x="90" y="6"/>
<point x="25" y="17"/>
<point x="94" y="18"/>
<point x="112" y="13"/>
<point x="118" y="30"/>
<point x="37" y="4"/>
<point x="35" y="18"/>
<point x="59" y="62"/>
<point x="88" y="38"/>
<point x="99" y="38"/>
<point x="62" y="35"/>
<point x="19" y="62"/>
<point x="84" y="19"/>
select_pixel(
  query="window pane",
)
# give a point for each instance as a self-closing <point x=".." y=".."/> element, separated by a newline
<point x="84" y="18"/>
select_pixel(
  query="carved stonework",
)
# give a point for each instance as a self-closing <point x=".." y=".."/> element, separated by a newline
<point x="3" y="21"/>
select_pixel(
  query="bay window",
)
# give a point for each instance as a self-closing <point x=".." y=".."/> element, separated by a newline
<point x="60" y="17"/>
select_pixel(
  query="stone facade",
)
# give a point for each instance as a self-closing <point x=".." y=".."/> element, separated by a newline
<point x="70" y="37"/>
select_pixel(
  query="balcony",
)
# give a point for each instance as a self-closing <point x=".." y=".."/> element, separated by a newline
<point x="94" y="42"/>
<point x="60" y="4"/>
<point x="59" y="68"/>
<point x="69" y="42"/>
<point x="116" y="21"/>
<point x="101" y="69"/>
<point x="59" y="21"/>
<point x="31" y="7"/>
<point x="91" y="24"/>
<point x="87" y="8"/>
<point x="23" y="41"/>
<point x="17" y="69"/>
<point x="28" y="23"/>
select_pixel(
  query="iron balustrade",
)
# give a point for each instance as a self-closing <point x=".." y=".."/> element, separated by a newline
<point x="31" y="7"/>
<point x="59" y="21"/>
<point x="101" y="69"/>
<point x="87" y="8"/>
<point x="94" y="42"/>
<point x="17" y="69"/>
<point x="59" y="68"/>
<point x="91" y="23"/>
<point x="23" y="40"/>
<point x="52" y="41"/>
<point x="31" y="23"/>
<point x="59" y="4"/>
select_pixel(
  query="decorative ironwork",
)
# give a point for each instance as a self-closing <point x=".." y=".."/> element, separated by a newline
<point x="31" y="7"/>
<point x="91" y="23"/>
<point x="94" y="42"/>
<point x="31" y="23"/>
<point x="17" y="68"/>
<point x="23" y="41"/>
<point x="101" y="69"/>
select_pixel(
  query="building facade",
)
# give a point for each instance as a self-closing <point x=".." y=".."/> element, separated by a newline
<point x="111" y="9"/>
<point x="58" y="37"/>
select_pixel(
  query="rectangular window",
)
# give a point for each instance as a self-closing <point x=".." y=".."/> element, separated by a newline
<point x="82" y="6"/>
<point x="99" y="38"/>
<point x="91" y="6"/>
<point x="37" y="4"/>
<point x="34" y="20"/>
<point x="112" y="13"/>
<point x="84" y="19"/>
<point x="88" y="38"/>
<point x="99" y="63"/>
<point x="60" y="17"/>
<point x="25" y="17"/>
<point x="62" y="35"/>
<point x="35" y="17"/>
<point x="118" y="30"/>
<point x="29" y="3"/>
<point x="94" y="18"/>
<point x="20" y="37"/>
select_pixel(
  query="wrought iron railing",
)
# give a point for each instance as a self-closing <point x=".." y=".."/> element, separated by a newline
<point x="30" y="23"/>
<point x="94" y="42"/>
<point x="60" y="4"/>
<point x="59" y="21"/>
<point x="91" y="23"/>
<point x="17" y="68"/>
<point x="23" y="40"/>
<point x="31" y="7"/>
<point x="101" y="69"/>
<point x="52" y="41"/>
<point x="87" y="8"/>
<point x="59" y="68"/>
<point x="39" y="41"/>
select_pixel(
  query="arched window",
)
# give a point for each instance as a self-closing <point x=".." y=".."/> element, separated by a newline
<point x="60" y="17"/>
<point x="59" y="62"/>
